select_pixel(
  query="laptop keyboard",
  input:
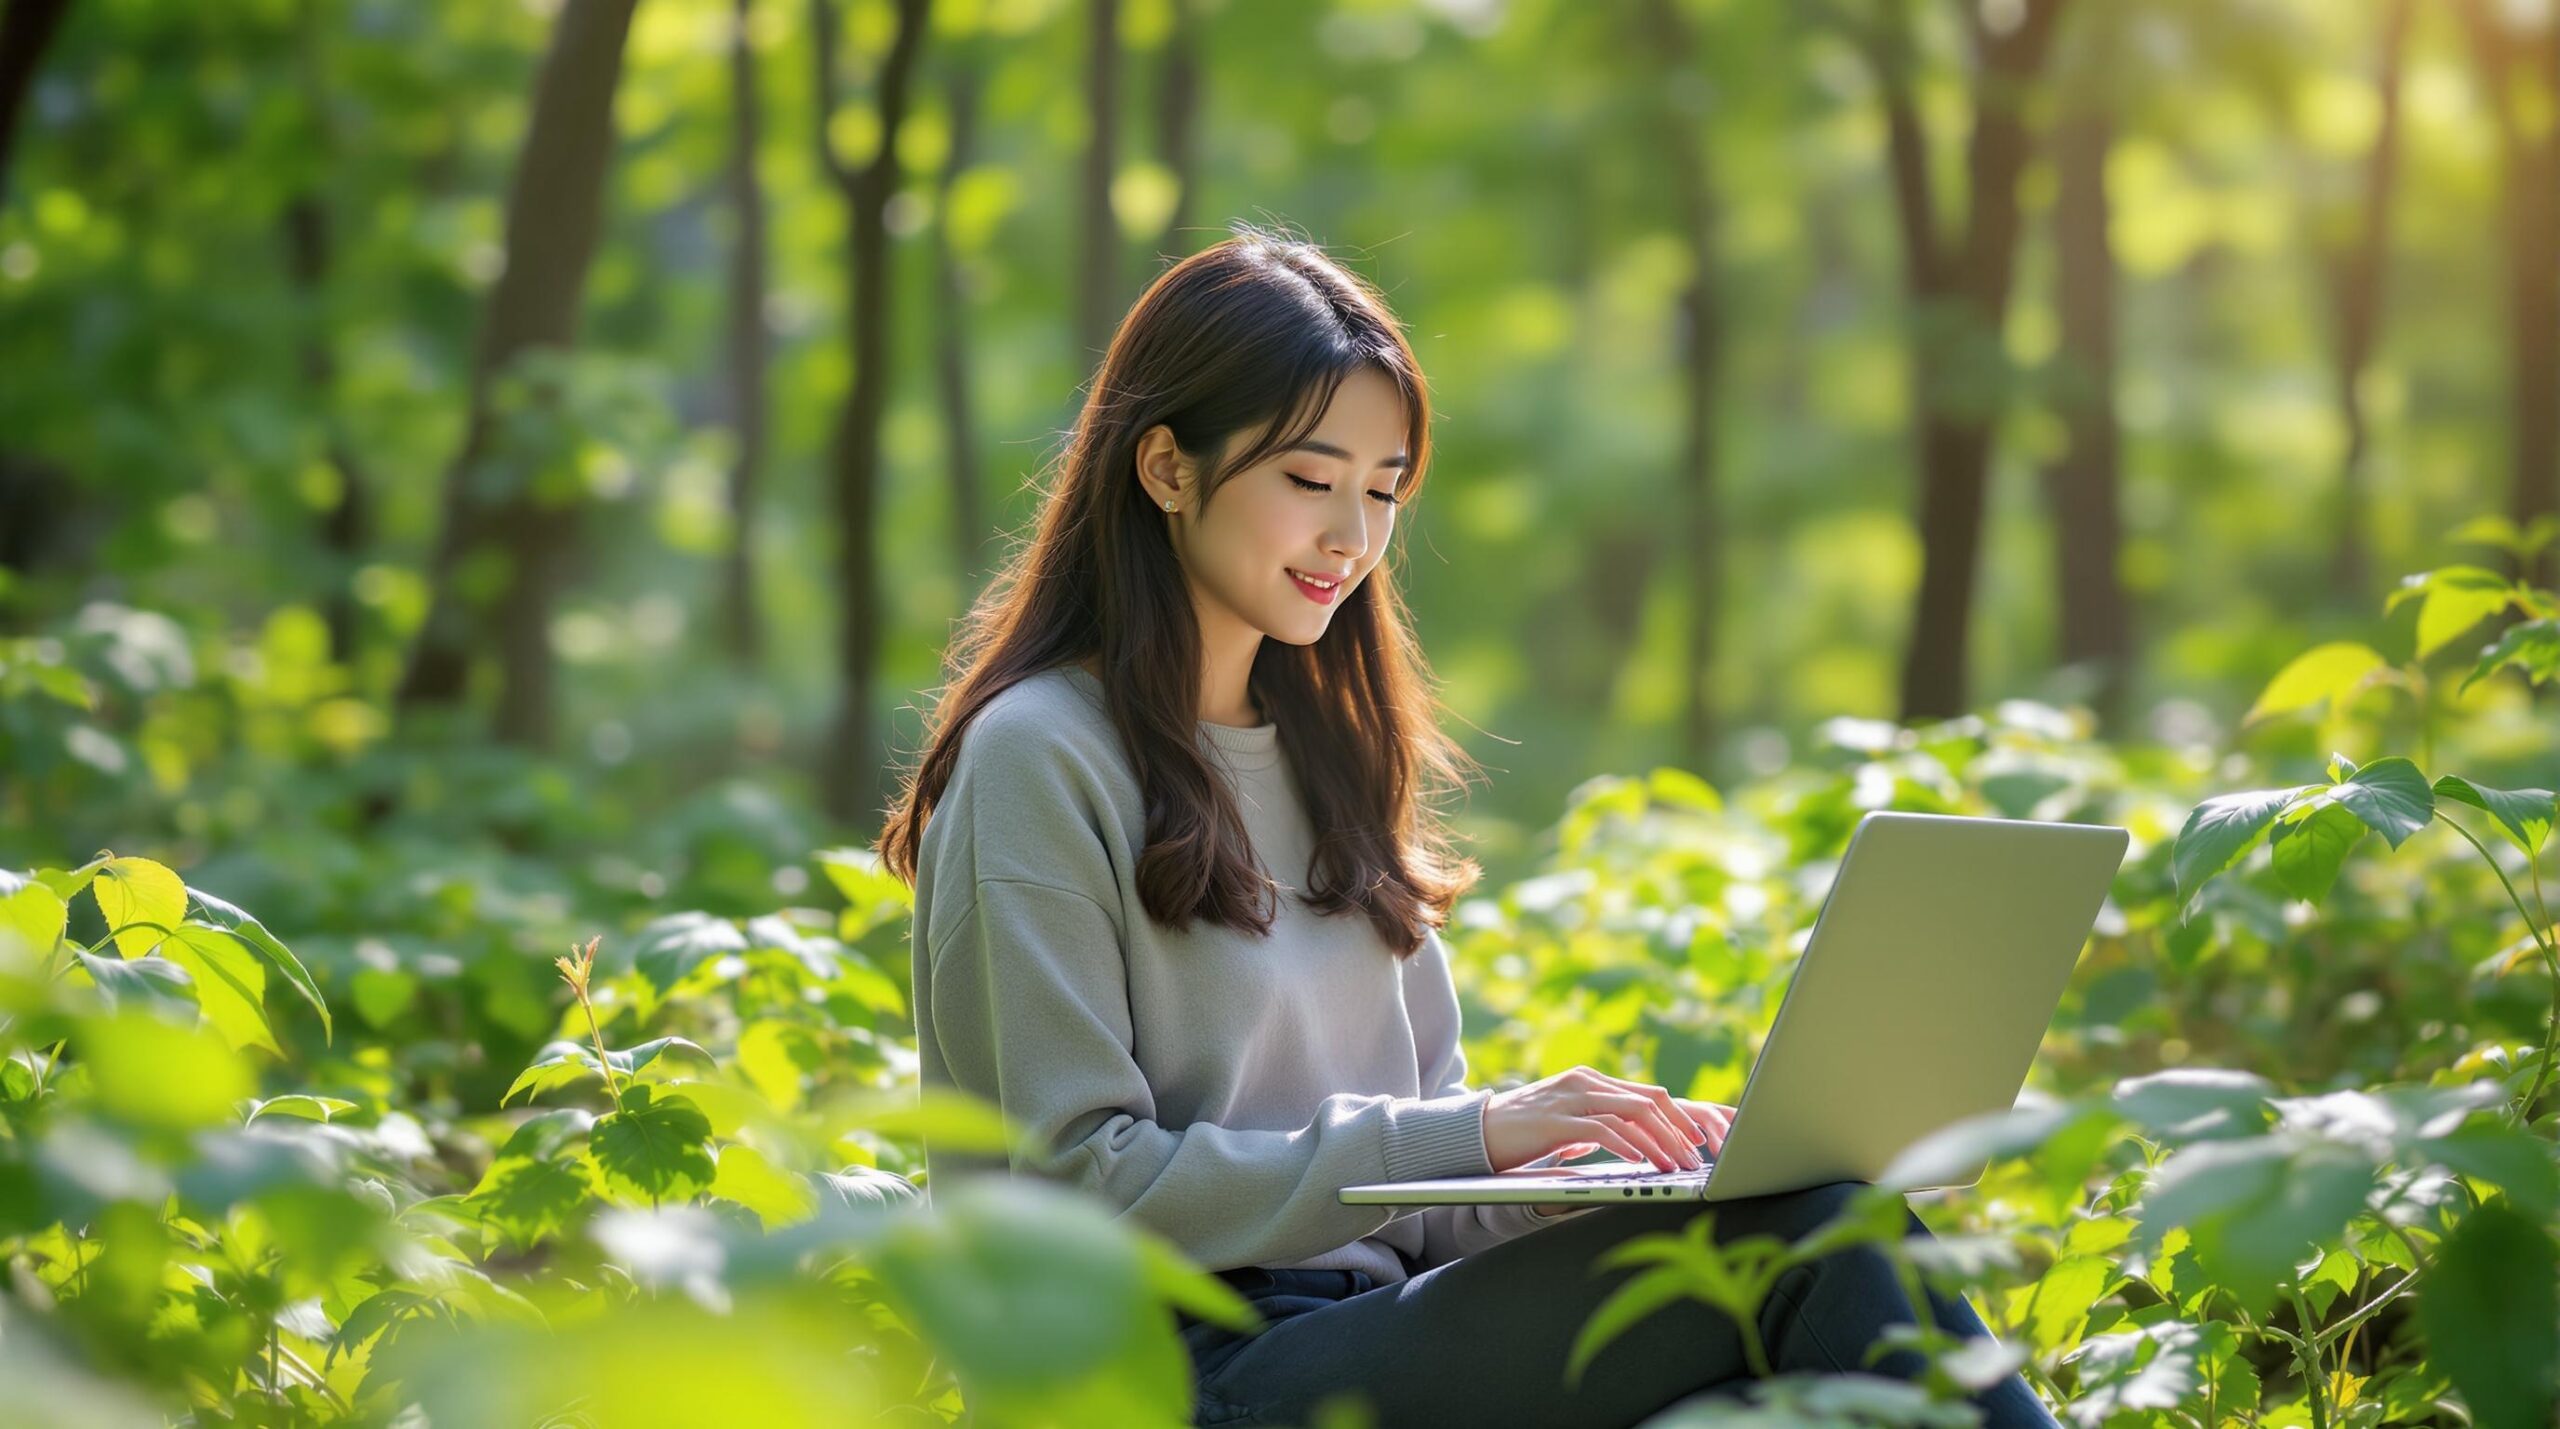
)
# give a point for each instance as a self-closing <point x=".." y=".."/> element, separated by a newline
<point x="1649" y="1178"/>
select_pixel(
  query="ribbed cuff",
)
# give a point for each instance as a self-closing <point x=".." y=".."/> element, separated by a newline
<point x="1439" y="1136"/>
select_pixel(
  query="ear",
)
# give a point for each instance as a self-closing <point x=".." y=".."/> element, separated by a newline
<point x="1162" y="468"/>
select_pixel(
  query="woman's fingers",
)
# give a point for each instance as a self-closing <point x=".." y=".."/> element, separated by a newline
<point x="1675" y="1110"/>
<point x="1715" y="1116"/>
<point x="1604" y="1130"/>
<point x="1669" y="1148"/>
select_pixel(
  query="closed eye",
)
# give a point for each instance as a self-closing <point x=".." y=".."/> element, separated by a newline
<point x="1388" y="497"/>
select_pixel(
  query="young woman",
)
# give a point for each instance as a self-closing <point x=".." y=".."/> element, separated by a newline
<point x="1178" y="899"/>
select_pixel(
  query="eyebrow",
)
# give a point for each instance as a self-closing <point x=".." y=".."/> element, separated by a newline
<point x="1323" y="448"/>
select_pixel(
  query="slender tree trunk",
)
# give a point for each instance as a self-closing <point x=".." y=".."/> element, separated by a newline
<point x="26" y="28"/>
<point x="2520" y="71"/>
<point x="2083" y="487"/>
<point x="969" y="521"/>
<point x="1178" y="121"/>
<point x="513" y="541"/>
<point x="347" y="532"/>
<point x="1098" y="230"/>
<point x="2358" y="299"/>
<point x="854" y="764"/>
<point x="1960" y="302"/>
<point x="740" y="616"/>
<point x="1681" y="91"/>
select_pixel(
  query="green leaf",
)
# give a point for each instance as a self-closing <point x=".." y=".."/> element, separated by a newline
<point x="1956" y="1154"/>
<point x="668" y="948"/>
<point x="563" y="1062"/>
<point x="301" y="1104"/>
<point x="2310" y="844"/>
<point x="2255" y="1207"/>
<point x="32" y="913"/>
<point x="1186" y="1287"/>
<point x="2487" y="1313"/>
<point x="776" y="1196"/>
<point x="249" y="930"/>
<point x="2323" y="672"/>
<point x="141" y="900"/>
<point x="2455" y="599"/>
<point x="2391" y="796"/>
<point x="153" y="1074"/>
<point x="654" y="1148"/>
<point x="2532" y="646"/>
<point x="2062" y="1297"/>
<point x="2515" y="1162"/>
<point x="529" y="1200"/>
<point x="231" y="987"/>
<point x="2221" y="830"/>
<point x="143" y="981"/>
<point x="2524" y="815"/>
<point x="1640" y="1296"/>
<point x="2196" y="1103"/>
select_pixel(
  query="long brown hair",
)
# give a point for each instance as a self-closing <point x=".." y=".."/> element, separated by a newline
<point x="1258" y="328"/>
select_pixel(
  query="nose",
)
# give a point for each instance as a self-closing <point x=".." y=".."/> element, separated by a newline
<point x="1347" y="537"/>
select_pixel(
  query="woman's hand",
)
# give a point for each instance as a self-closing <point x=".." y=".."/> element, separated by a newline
<point x="1582" y="1110"/>
<point x="1715" y="1119"/>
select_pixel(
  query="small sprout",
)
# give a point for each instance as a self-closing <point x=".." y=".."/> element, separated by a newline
<point x="577" y="971"/>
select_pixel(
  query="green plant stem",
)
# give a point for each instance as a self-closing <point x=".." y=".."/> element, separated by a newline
<point x="604" y="1063"/>
<point x="2307" y="1348"/>
<point x="2550" y="958"/>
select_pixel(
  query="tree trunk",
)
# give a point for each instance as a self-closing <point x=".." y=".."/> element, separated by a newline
<point x="1098" y="231"/>
<point x="26" y="28"/>
<point x="2358" y="299"/>
<point x="2083" y="487"/>
<point x="1960" y="302"/>
<point x="1178" y="122"/>
<point x="2520" y="73"/>
<point x="515" y="542"/>
<point x="347" y="532"/>
<point x="969" y="521"/>
<point x="1681" y="91"/>
<point x="739" y="614"/>
<point x="853" y="766"/>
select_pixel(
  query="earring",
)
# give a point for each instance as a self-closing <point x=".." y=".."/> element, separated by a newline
<point x="1168" y="506"/>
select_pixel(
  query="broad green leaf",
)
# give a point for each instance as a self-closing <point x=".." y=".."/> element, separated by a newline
<point x="2062" y="1297"/>
<point x="2256" y="1207"/>
<point x="529" y="1200"/>
<point x="2515" y="1162"/>
<point x="653" y="1148"/>
<point x="2524" y="815"/>
<point x="668" y="948"/>
<point x="2221" y="830"/>
<point x="2310" y="843"/>
<point x="776" y="1196"/>
<point x="776" y="1057"/>
<point x="2532" y="646"/>
<point x="2196" y="1103"/>
<point x="2455" y="598"/>
<point x="563" y="1062"/>
<point x="146" y="980"/>
<point x="540" y="1136"/>
<point x="2155" y="1367"/>
<point x="2491" y="1299"/>
<point x="155" y="1074"/>
<point x="254" y="933"/>
<point x="32" y="913"/>
<point x="2499" y="529"/>
<point x="1955" y="1154"/>
<point x="1021" y="1284"/>
<point x="141" y="901"/>
<point x="2391" y="796"/>
<point x="231" y="986"/>
<point x="1185" y="1286"/>
<point x="949" y="1119"/>
<point x="2324" y="672"/>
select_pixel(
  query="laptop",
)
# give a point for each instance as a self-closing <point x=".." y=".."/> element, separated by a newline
<point x="1934" y="967"/>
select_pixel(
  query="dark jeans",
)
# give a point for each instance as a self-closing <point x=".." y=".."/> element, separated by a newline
<point x="1483" y="1340"/>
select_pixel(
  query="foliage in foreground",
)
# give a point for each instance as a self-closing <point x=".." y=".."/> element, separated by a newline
<point x="2288" y="1158"/>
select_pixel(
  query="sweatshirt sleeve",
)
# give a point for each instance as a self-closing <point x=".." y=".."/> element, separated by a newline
<point x="1030" y="1006"/>
<point x="1431" y="999"/>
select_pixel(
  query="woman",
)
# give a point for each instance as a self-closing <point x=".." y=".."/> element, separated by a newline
<point x="1177" y="902"/>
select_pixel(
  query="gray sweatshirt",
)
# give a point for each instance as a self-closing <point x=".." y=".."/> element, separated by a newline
<point x="1216" y="1087"/>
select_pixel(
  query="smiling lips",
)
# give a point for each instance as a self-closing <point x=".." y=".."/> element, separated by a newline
<point x="1320" y="591"/>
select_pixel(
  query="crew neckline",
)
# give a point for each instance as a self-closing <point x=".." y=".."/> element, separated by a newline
<point x="1247" y="747"/>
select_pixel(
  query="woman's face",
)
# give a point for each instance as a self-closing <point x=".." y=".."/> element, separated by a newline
<point x="1320" y="512"/>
